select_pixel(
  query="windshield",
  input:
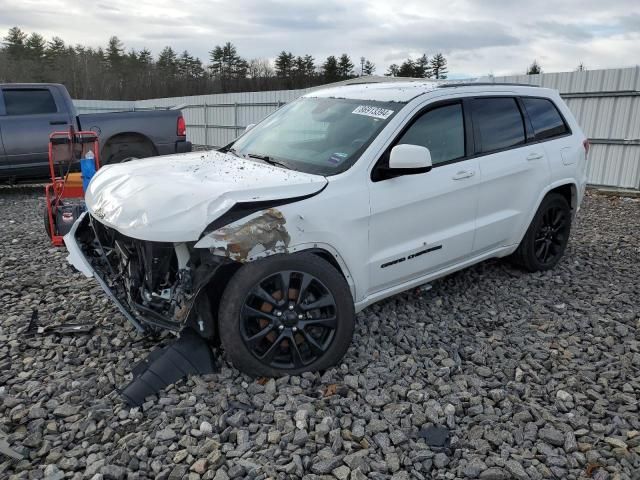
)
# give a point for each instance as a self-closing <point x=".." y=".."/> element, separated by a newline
<point x="317" y="135"/>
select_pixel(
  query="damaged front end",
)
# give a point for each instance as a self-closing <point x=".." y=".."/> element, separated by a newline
<point x="156" y="285"/>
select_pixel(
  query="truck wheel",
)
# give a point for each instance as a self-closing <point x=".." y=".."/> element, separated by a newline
<point x="546" y="239"/>
<point x="130" y="152"/>
<point x="286" y="314"/>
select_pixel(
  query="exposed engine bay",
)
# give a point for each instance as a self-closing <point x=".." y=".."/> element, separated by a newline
<point x="158" y="284"/>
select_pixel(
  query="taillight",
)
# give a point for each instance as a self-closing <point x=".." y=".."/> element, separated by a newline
<point x="586" y="145"/>
<point x="182" y="127"/>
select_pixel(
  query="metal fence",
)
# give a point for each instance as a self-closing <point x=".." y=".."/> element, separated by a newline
<point x="606" y="104"/>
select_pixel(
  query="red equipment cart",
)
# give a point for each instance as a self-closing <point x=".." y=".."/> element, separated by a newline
<point x="65" y="195"/>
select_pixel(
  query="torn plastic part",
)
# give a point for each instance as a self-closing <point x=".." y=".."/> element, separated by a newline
<point x="188" y="355"/>
<point x="259" y="235"/>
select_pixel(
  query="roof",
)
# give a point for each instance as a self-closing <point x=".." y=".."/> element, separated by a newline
<point x="402" y="91"/>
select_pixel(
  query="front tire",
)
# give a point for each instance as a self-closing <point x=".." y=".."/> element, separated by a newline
<point x="286" y="314"/>
<point x="546" y="239"/>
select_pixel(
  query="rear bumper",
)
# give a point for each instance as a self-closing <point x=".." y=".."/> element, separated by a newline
<point x="183" y="146"/>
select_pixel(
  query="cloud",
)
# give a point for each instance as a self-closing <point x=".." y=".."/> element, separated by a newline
<point x="477" y="36"/>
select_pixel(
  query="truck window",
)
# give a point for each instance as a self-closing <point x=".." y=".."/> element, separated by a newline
<point x="545" y="118"/>
<point x="497" y="123"/>
<point x="28" y="102"/>
<point x="441" y="130"/>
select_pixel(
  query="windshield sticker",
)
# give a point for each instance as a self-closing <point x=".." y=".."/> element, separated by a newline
<point x="375" y="112"/>
<point x="338" y="157"/>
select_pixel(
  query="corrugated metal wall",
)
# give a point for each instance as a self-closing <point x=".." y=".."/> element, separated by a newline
<point x="606" y="104"/>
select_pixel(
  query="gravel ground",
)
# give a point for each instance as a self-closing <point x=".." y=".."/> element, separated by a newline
<point x="535" y="375"/>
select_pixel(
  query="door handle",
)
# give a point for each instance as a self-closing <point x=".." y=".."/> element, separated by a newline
<point x="534" y="156"/>
<point x="464" y="174"/>
<point x="57" y="122"/>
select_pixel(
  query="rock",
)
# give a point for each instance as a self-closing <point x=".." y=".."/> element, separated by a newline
<point x="494" y="473"/>
<point x="552" y="436"/>
<point x="564" y="396"/>
<point x="616" y="442"/>
<point x="113" y="472"/>
<point x="515" y="469"/>
<point x="166" y="434"/>
<point x="474" y="468"/>
<point x="570" y="443"/>
<point x="206" y="428"/>
<point x="325" y="466"/>
<point x="52" y="472"/>
<point x="440" y="460"/>
<point x="342" y="473"/>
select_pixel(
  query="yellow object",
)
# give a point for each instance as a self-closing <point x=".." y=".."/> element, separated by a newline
<point x="74" y="180"/>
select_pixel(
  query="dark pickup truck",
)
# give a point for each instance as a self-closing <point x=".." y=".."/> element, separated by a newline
<point x="30" y="112"/>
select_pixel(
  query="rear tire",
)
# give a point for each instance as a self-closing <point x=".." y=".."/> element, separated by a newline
<point x="547" y="236"/>
<point x="129" y="152"/>
<point x="266" y="333"/>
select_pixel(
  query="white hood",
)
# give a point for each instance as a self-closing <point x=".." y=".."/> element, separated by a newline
<point x="173" y="198"/>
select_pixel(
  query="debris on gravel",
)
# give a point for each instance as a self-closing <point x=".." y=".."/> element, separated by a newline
<point x="533" y="375"/>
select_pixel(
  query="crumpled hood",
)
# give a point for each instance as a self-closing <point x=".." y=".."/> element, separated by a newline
<point x="173" y="198"/>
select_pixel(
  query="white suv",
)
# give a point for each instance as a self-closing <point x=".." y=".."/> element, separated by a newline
<point x="339" y="199"/>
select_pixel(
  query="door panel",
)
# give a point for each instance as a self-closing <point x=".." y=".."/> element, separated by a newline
<point x="510" y="184"/>
<point x="512" y="178"/>
<point x="421" y="223"/>
<point x="26" y="137"/>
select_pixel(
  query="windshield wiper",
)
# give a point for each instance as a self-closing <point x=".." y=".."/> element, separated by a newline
<point x="268" y="159"/>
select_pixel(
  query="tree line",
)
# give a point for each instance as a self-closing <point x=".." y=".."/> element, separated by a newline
<point x="115" y="73"/>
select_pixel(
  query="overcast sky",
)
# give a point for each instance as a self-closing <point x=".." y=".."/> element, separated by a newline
<point x="477" y="36"/>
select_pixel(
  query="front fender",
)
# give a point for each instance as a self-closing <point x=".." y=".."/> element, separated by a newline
<point x="265" y="233"/>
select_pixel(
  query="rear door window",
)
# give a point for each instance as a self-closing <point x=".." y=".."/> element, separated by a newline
<point x="441" y="130"/>
<point x="497" y="123"/>
<point x="28" y="102"/>
<point x="545" y="118"/>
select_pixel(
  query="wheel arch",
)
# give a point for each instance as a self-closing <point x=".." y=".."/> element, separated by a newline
<point x="217" y="283"/>
<point x="125" y="138"/>
<point x="568" y="188"/>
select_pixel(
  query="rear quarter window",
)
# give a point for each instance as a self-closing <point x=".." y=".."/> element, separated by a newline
<point x="28" y="102"/>
<point x="497" y="123"/>
<point x="545" y="118"/>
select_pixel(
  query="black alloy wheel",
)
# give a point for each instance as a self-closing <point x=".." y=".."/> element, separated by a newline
<point x="285" y="315"/>
<point x="546" y="238"/>
<point x="552" y="235"/>
<point x="289" y="320"/>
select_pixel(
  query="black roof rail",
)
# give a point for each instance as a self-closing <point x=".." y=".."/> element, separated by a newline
<point x="486" y="84"/>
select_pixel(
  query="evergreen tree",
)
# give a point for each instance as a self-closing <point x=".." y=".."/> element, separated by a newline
<point x="284" y="64"/>
<point x="114" y="55"/>
<point x="407" y="69"/>
<point x="330" y="69"/>
<point x="421" y="67"/>
<point x="35" y="46"/>
<point x="345" y="67"/>
<point x="368" y="68"/>
<point x="14" y="42"/>
<point x="226" y="63"/>
<point x="393" y="70"/>
<point x="534" y="68"/>
<point x="168" y="61"/>
<point x="439" y="66"/>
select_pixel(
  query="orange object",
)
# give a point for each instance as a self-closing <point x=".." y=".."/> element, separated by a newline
<point x="65" y="149"/>
<point x="74" y="180"/>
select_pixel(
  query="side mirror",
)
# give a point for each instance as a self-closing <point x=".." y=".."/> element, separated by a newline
<point x="249" y="127"/>
<point x="409" y="157"/>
